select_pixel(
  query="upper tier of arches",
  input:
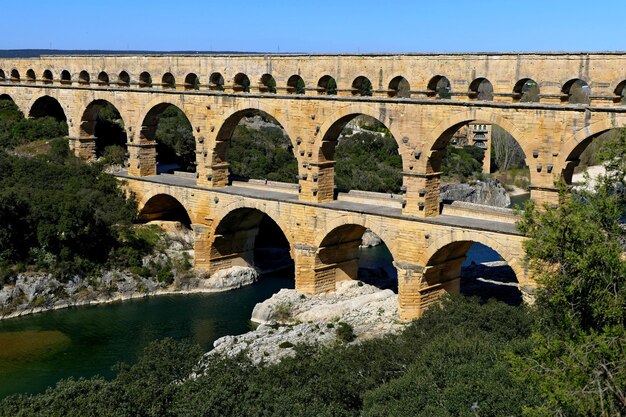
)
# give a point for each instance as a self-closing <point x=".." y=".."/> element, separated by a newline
<point x="576" y="88"/>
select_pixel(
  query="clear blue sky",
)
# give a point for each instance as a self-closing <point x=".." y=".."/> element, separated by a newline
<point x="316" y="26"/>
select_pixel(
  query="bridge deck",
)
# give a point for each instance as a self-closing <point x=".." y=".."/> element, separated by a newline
<point x="272" y="193"/>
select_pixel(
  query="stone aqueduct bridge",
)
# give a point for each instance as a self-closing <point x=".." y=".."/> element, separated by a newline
<point x="216" y="91"/>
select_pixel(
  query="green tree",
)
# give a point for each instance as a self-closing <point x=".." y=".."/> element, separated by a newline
<point x="576" y="252"/>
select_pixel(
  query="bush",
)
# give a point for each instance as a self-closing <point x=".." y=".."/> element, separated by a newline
<point x="345" y="332"/>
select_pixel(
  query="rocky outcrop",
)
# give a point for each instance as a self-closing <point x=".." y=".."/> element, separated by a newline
<point x="290" y="318"/>
<point x="230" y="279"/>
<point x="489" y="192"/>
<point x="370" y="239"/>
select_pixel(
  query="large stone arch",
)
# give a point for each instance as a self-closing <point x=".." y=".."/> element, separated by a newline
<point x="162" y="205"/>
<point x="261" y="206"/>
<point x="87" y="141"/>
<point x="22" y="103"/>
<point x="386" y="235"/>
<point x="232" y="237"/>
<point x="229" y="121"/>
<point x="143" y="158"/>
<point x="511" y="251"/>
<point x="334" y="123"/>
<point x="438" y="135"/>
<point x="572" y="148"/>
<point x="163" y="101"/>
<point x="37" y="107"/>
<point x="337" y="251"/>
<point x="217" y="148"/>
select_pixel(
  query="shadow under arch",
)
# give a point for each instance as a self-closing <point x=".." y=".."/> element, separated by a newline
<point x="474" y="268"/>
<point x="247" y="236"/>
<point x="106" y="129"/>
<point x="164" y="207"/>
<point x="225" y="133"/>
<point x="47" y="106"/>
<point x="340" y="256"/>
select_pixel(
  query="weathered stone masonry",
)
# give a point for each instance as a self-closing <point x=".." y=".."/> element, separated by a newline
<point x="213" y="93"/>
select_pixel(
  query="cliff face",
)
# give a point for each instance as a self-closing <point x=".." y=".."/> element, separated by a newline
<point x="489" y="192"/>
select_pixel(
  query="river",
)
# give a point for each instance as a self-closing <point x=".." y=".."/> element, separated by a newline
<point x="37" y="351"/>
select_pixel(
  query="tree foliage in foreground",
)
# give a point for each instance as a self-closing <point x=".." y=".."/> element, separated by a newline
<point x="576" y="251"/>
<point x="452" y="362"/>
<point x="59" y="213"/>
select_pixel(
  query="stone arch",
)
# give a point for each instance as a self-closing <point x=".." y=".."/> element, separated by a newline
<point x="30" y="76"/>
<point x="2" y="76"/>
<point x="241" y="83"/>
<point x="337" y="254"/>
<point x="162" y="206"/>
<point x="362" y="86"/>
<point x="296" y="85"/>
<point x="47" y="77"/>
<point x="441" y="134"/>
<point x="234" y="240"/>
<point x="481" y="89"/>
<point x="168" y="81"/>
<point x="47" y="106"/>
<point x="15" y="75"/>
<point x="324" y="145"/>
<point x="89" y="129"/>
<point x="357" y="220"/>
<point x="444" y="257"/>
<point x="150" y="121"/>
<point x="399" y="87"/>
<point x="66" y="77"/>
<point x="20" y="104"/>
<point x="103" y="79"/>
<point x="526" y="90"/>
<point x="216" y="81"/>
<point x="145" y="80"/>
<point x="327" y="85"/>
<point x="221" y="143"/>
<point x="123" y="79"/>
<point x="570" y="151"/>
<point x="439" y="87"/>
<point x="83" y="77"/>
<point x="576" y="91"/>
<point x="192" y="82"/>
<point x="267" y="84"/>
<point x="620" y="93"/>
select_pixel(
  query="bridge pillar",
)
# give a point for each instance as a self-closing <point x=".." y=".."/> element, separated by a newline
<point x="309" y="278"/>
<point x="422" y="194"/>
<point x="142" y="159"/>
<point x="201" y="246"/>
<point x="318" y="184"/>
<point x="84" y="148"/>
<point x="419" y="287"/>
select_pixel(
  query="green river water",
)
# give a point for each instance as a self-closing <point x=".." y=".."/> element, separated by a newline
<point x="37" y="351"/>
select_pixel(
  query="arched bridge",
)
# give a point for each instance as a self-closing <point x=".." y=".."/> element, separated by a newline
<point x="553" y="104"/>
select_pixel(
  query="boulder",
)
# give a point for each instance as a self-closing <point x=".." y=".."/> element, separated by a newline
<point x="489" y="193"/>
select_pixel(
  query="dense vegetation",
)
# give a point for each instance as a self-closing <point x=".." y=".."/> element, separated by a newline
<point x="264" y="153"/>
<point x="578" y="361"/>
<point x="450" y="363"/>
<point x="369" y="162"/>
<point x="175" y="141"/>
<point x="57" y="213"/>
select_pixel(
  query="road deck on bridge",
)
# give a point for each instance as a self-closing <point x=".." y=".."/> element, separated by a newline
<point x="271" y="193"/>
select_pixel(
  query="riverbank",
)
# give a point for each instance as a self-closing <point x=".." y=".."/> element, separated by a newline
<point x="353" y="313"/>
<point x="35" y="293"/>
